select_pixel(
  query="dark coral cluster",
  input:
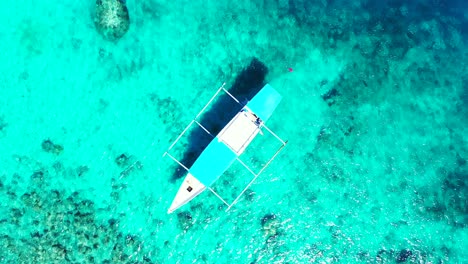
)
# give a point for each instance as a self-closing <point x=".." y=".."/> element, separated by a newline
<point x="112" y="19"/>
<point x="449" y="204"/>
<point x="3" y="124"/>
<point x="318" y="252"/>
<point x="128" y="164"/>
<point x="49" y="146"/>
<point x="44" y="224"/>
<point x="54" y="227"/>
<point x="270" y="226"/>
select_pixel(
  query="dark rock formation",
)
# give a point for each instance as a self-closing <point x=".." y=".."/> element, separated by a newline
<point x="81" y="170"/>
<point x="51" y="147"/>
<point x="128" y="163"/>
<point x="122" y="160"/>
<point x="384" y="256"/>
<point x="112" y="19"/>
<point x="270" y="225"/>
<point x="185" y="220"/>
<point x="403" y="255"/>
<point x="3" y="123"/>
<point x="329" y="96"/>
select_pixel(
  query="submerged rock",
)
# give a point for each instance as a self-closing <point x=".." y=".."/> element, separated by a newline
<point x="37" y="177"/>
<point x="330" y="95"/>
<point x="49" y="146"/>
<point x="403" y="255"/>
<point x="185" y="220"/>
<point x="250" y="195"/>
<point x="270" y="225"/>
<point x="3" y="124"/>
<point x="81" y="170"/>
<point x="112" y="19"/>
<point x="113" y="223"/>
<point x="384" y="256"/>
<point x="15" y="215"/>
<point x="122" y="160"/>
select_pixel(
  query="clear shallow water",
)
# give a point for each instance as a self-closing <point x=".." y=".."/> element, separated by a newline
<point x="375" y="112"/>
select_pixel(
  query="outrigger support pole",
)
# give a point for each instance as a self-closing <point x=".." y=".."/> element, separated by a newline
<point x="217" y="195"/>
<point x="194" y="120"/>
<point x="178" y="162"/>
<point x="271" y="132"/>
<point x="256" y="175"/>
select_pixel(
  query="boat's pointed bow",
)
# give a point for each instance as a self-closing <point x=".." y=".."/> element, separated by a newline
<point x="189" y="189"/>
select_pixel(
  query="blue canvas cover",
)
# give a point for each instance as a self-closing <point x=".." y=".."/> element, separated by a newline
<point x="213" y="162"/>
<point x="264" y="102"/>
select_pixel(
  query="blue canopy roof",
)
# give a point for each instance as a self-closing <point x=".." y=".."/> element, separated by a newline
<point x="264" y="102"/>
<point x="213" y="162"/>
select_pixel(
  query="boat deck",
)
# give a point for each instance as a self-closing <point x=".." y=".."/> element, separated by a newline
<point x="240" y="131"/>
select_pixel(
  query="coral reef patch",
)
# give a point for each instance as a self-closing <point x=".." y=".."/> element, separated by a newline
<point x="63" y="228"/>
<point x="270" y="225"/>
<point x="112" y="19"/>
<point x="50" y="147"/>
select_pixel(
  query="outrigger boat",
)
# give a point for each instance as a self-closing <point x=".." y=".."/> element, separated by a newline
<point x="227" y="146"/>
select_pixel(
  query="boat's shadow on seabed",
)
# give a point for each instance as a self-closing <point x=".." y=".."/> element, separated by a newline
<point x="247" y="83"/>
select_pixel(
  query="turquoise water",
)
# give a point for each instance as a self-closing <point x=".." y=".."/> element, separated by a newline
<point x="375" y="111"/>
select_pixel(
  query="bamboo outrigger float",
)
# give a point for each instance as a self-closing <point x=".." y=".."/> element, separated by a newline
<point x="227" y="146"/>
